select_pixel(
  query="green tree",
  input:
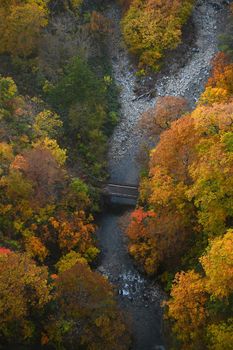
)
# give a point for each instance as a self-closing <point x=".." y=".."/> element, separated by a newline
<point x="81" y="95"/>
<point x="47" y="124"/>
<point x="8" y="90"/>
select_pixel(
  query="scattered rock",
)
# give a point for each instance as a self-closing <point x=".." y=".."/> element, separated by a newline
<point x="137" y="294"/>
<point x="188" y="79"/>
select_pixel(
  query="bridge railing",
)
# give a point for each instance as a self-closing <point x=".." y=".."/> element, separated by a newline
<point x="124" y="191"/>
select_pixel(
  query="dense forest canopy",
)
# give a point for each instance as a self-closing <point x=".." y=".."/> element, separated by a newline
<point x="186" y="203"/>
<point x="59" y="104"/>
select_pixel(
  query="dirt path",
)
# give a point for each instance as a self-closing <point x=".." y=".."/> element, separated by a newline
<point x="138" y="296"/>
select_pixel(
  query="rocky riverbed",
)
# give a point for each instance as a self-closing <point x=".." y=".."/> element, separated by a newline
<point x="138" y="296"/>
<point x="186" y="80"/>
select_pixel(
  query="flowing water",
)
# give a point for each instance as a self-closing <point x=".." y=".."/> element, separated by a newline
<point x="140" y="297"/>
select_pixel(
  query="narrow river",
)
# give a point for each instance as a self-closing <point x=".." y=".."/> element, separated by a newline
<point x="138" y="296"/>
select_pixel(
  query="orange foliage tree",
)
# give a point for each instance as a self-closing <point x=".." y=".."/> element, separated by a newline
<point x="189" y="184"/>
<point x="195" y="299"/>
<point x="35" y="189"/>
<point x="43" y="170"/>
<point x="164" y="192"/>
<point x="88" y="315"/>
<point x="143" y="246"/>
<point x="159" y="118"/>
<point x="74" y="232"/>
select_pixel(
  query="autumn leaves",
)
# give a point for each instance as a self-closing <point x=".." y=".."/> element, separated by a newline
<point x="49" y="294"/>
<point x="152" y="26"/>
<point x="20" y="26"/>
<point x="200" y="300"/>
<point x="186" y="207"/>
<point x="75" y="307"/>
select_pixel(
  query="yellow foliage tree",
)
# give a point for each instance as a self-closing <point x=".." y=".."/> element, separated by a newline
<point x="187" y="308"/>
<point x="218" y="266"/>
<point x="219" y="88"/>
<point x="23" y="290"/>
<point x="213" y="95"/>
<point x="221" y="336"/>
<point x="152" y="26"/>
<point x="51" y="145"/>
<point x="69" y="260"/>
<point x="196" y="323"/>
<point x="20" y="26"/>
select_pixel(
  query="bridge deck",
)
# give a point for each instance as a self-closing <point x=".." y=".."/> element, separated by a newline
<point x="123" y="191"/>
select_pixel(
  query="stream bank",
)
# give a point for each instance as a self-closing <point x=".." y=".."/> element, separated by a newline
<point x="139" y="296"/>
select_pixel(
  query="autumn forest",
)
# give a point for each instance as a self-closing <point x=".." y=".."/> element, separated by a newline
<point x="80" y="107"/>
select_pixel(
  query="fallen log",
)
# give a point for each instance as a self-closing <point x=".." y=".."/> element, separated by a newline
<point x="146" y="94"/>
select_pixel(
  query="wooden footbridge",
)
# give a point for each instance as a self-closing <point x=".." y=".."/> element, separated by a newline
<point x="111" y="190"/>
<point x="121" y="190"/>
